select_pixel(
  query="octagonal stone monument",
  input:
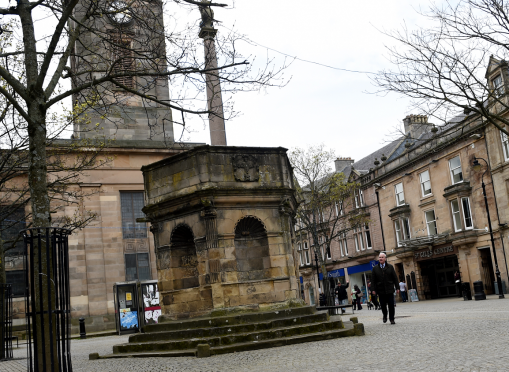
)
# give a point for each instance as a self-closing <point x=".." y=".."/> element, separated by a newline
<point x="222" y="224"/>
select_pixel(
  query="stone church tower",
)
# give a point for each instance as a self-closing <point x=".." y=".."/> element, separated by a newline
<point x="121" y="37"/>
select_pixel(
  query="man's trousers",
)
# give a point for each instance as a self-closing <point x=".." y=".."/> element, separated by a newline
<point x="387" y="300"/>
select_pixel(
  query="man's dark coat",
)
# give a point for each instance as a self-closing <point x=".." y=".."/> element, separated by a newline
<point x="384" y="281"/>
<point x="341" y="291"/>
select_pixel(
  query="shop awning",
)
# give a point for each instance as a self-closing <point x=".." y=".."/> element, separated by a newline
<point x="361" y="268"/>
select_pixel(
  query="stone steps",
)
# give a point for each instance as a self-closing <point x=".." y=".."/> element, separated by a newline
<point x="223" y="321"/>
<point x="232" y="333"/>
<point x="350" y="329"/>
<point x="229" y="339"/>
<point x="228" y="330"/>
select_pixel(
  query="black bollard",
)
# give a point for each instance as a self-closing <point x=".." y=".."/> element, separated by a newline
<point x="479" y="291"/>
<point x="83" y="333"/>
<point x="467" y="294"/>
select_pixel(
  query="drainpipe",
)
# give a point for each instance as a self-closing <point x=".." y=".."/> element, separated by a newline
<point x="380" y="216"/>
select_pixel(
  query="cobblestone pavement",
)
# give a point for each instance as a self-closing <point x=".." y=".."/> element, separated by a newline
<point x="439" y="335"/>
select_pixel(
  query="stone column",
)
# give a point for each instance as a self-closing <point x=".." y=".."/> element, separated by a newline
<point x="214" y="98"/>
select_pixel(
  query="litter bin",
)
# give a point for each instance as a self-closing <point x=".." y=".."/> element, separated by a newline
<point x="467" y="294"/>
<point x="479" y="291"/>
<point x="504" y="289"/>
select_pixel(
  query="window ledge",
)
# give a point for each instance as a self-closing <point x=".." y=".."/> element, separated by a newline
<point x="458" y="189"/>
<point x="426" y="203"/>
<point x="401" y="210"/>
<point x="427" y="196"/>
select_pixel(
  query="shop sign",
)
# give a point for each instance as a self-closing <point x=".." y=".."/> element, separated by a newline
<point x="436" y="252"/>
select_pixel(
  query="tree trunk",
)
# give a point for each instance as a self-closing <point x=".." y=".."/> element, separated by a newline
<point x="3" y="314"/>
<point x="45" y="336"/>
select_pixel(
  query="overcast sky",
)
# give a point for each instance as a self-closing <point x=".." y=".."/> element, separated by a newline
<point x="319" y="105"/>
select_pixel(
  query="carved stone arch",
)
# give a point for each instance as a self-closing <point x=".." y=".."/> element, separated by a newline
<point x="251" y="224"/>
<point x="251" y="249"/>
<point x="183" y="258"/>
<point x="178" y="234"/>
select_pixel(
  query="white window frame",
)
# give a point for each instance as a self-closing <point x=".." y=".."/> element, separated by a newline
<point x="367" y="233"/>
<point x="343" y="245"/>
<point x="359" y="239"/>
<point x="505" y="145"/>
<point x="402" y="229"/>
<point x="434" y="220"/>
<point x="299" y="249"/>
<point x="456" y="215"/>
<point x="498" y="85"/>
<point x="453" y="169"/>
<point x="463" y="199"/>
<point x="359" y="198"/>
<point x="399" y="193"/>
<point x="424" y="182"/>
<point x="398" y="231"/>
<point x="306" y="253"/>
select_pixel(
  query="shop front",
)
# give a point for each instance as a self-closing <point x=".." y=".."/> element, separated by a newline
<point x="360" y="275"/>
<point x="437" y="268"/>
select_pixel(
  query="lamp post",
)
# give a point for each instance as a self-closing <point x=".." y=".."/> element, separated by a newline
<point x="497" y="271"/>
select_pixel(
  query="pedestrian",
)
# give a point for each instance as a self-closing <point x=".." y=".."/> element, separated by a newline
<point x="358" y="296"/>
<point x="340" y="292"/>
<point x="383" y="281"/>
<point x="403" y="290"/>
<point x="457" y="280"/>
<point x="374" y="299"/>
<point x="354" y="300"/>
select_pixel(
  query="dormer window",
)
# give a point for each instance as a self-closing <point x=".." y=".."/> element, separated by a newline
<point x="498" y="86"/>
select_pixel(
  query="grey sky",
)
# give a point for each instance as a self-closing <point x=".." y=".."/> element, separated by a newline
<point x="319" y="104"/>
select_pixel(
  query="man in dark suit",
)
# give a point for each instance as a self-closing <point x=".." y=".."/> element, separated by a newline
<point x="383" y="282"/>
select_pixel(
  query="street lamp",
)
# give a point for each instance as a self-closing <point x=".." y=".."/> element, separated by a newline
<point x="317" y="272"/>
<point x="497" y="271"/>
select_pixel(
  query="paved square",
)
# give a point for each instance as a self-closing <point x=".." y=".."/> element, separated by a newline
<point x="438" y="335"/>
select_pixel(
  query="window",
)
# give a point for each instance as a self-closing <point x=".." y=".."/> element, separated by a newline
<point x="505" y="145"/>
<point x="431" y="222"/>
<point x="299" y="249"/>
<point x="402" y="229"/>
<point x="456" y="173"/>
<point x="358" y="240"/>
<point x="498" y="86"/>
<point x="12" y="221"/>
<point x="131" y="205"/>
<point x="306" y="253"/>
<point x="17" y="280"/>
<point x="367" y="235"/>
<point x="123" y="60"/>
<point x="455" y="208"/>
<point x="311" y="296"/>
<point x="400" y="195"/>
<point x="137" y="267"/>
<point x="425" y="183"/>
<point x="343" y="248"/>
<point x="359" y="198"/>
<point x="467" y="214"/>
<point x="339" y="208"/>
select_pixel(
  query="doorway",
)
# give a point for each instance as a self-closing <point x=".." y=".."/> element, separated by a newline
<point x="438" y="277"/>
<point x="487" y="275"/>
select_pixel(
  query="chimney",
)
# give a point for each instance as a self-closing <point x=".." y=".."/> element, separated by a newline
<point x="415" y="125"/>
<point x="342" y="163"/>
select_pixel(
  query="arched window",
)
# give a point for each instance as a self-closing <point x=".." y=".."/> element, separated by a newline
<point x="251" y="249"/>
<point x="183" y="259"/>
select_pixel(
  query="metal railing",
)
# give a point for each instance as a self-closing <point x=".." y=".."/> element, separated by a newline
<point x="6" y="321"/>
<point x="47" y="299"/>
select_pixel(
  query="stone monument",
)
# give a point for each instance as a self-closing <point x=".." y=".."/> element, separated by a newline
<point x="222" y="223"/>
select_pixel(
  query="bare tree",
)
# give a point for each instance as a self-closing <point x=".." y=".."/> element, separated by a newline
<point x="325" y="212"/>
<point x="443" y="67"/>
<point x="105" y="56"/>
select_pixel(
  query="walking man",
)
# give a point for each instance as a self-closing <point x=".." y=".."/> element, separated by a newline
<point x="383" y="282"/>
<point x="403" y="290"/>
<point x="342" y="295"/>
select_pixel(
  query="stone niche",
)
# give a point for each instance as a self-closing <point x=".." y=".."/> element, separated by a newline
<point x="222" y="224"/>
